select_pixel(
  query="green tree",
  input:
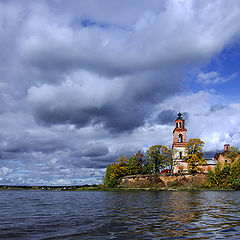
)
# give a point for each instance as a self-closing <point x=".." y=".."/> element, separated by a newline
<point x="195" y="155"/>
<point x="157" y="158"/>
<point x="107" y="180"/>
<point x="235" y="174"/>
<point x="136" y="163"/>
<point x="232" y="153"/>
<point x="221" y="178"/>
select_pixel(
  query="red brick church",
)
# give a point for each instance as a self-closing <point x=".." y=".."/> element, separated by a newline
<point x="179" y="165"/>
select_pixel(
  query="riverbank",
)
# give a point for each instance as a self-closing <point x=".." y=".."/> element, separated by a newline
<point x="165" y="181"/>
<point x="115" y="189"/>
<point x="149" y="182"/>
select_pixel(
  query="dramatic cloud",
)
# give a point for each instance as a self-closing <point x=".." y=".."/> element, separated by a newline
<point x="84" y="82"/>
<point x="169" y="116"/>
<point x="85" y="98"/>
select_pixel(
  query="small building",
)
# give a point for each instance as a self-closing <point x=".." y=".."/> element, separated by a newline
<point x="210" y="165"/>
<point x="222" y="157"/>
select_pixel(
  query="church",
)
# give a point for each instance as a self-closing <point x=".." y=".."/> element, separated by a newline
<point x="179" y="146"/>
<point x="179" y="165"/>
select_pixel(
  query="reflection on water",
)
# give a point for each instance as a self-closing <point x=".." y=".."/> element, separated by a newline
<point x="119" y="215"/>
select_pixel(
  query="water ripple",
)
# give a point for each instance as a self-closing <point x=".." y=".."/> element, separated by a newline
<point x="119" y="215"/>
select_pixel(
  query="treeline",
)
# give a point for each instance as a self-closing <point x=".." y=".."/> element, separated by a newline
<point x="226" y="176"/>
<point x="156" y="158"/>
<point x="159" y="157"/>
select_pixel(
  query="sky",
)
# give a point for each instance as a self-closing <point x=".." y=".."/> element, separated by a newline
<point x="84" y="82"/>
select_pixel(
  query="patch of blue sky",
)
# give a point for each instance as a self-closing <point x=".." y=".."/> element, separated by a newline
<point x="227" y="65"/>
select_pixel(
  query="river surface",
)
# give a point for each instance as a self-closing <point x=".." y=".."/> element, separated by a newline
<point x="120" y="215"/>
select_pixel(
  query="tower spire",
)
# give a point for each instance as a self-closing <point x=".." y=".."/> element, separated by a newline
<point x="180" y="132"/>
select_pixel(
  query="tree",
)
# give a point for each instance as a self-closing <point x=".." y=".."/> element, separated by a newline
<point x="195" y="146"/>
<point x="136" y="163"/>
<point x="157" y="157"/>
<point x="232" y="153"/>
<point x="195" y="155"/>
<point x="122" y="167"/>
<point x="235" y="174"/>
<point x="116" y="170"/>
<point x="227" y="176"/>
<point x="107" y="179"/>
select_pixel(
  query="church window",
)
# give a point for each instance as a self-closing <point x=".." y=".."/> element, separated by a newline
<point x="180" y="155"/>
<point x="176" y="125"/>
<point x="180" y="124"/>
<point x="180" y="138"/>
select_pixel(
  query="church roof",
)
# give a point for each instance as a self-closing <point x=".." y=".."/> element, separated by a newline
<point x="179" y="116"/>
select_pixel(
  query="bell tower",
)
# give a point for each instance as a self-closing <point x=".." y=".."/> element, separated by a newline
<point x="179" y="146"/>
<point x="179" y="133"/>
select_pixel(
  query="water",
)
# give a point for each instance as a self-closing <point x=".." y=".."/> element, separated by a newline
<point x="120" y="215"/>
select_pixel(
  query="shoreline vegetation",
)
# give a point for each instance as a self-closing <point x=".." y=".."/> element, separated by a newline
<point x="154" y="169"/>
<point x="102" y="188"/>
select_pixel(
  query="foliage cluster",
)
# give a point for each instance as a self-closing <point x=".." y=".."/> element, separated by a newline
<point x="232" y="153"/>
<point x="228" y="175"/>
<point x="156" y="158"/>
<point x="195" y="155"/>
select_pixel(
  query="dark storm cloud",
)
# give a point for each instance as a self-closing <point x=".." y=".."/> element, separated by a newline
<point x="114" y="118"/>
<point x="98" y="156"/>
<point x="95" y="151"/>
<point x="166" y="117"/>
<point x="27" y="143"/>
<point x="124" y="106"/>
<point x="91" y="150"/>
<point x="122" y="117"/>
<point x="97" y="162"/>
<point x="52" y="116"/>
<point x="169" y="116"/>
<point x="92" y="162"/>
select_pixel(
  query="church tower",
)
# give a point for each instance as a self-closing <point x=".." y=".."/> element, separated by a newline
<point x="179" y="146"/>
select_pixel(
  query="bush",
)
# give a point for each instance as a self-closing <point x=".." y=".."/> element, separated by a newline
<point x="227" y="176"/>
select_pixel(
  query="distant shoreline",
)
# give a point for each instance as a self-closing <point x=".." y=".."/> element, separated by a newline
<point x="102" y="188"/>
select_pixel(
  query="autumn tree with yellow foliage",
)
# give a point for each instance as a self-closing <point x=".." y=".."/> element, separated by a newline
<point x="195" y="155"/>
<point x="232" y="153"/>
<point x="116" y="170"/>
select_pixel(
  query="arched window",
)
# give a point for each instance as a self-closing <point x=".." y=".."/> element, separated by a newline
<point x="180" y="155"/>
<point x="176" y="125"/>
<point x="180" y="124"/>
<point x="180" y="138"/>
